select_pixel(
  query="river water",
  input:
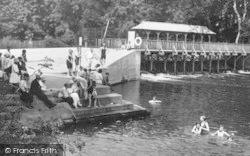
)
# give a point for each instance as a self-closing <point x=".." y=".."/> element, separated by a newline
<point x="223" y="99"/>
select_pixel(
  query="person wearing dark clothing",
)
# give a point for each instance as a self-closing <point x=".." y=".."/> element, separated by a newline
<point x="24" y="55"/>
<point x="103" y="54"/>
<point x="25" y="94"/>
<point x="36" y="89"/>
<point x="69" y="62"/>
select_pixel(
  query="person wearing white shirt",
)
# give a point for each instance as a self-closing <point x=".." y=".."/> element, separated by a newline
<point x="98" y="77"/>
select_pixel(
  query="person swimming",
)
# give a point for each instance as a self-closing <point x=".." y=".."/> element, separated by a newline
<point x="196" y="129"/>
<point x="154" y="100"/>
<point x="221" y="133"/>
<point x="204" y="125"/>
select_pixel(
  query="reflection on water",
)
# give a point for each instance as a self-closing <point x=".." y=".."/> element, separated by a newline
<point x="223" y="99"/>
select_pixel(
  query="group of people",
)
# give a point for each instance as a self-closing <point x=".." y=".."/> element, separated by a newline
<point x="203" y="128"/>
<point x="82" y="85"/>
<point x="13" y="68"/>
<point x="15" y="72"/>
<point x="73" y="61"/>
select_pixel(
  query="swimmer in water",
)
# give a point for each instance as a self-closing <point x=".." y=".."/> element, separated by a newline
<point x="154" y="98"/>
<point x="222" y="133"/>
<point x="196" y="129"/>
<point x="204" y="125"/>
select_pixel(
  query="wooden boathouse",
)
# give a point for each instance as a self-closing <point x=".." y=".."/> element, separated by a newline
<point x="182" y="48"/>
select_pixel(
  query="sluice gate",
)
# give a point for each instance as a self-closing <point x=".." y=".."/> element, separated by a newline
<point x="192" y="60"/>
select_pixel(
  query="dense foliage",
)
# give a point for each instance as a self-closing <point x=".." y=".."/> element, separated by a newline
<point x="65" y="19"/>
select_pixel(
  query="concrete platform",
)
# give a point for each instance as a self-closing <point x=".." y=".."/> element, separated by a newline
<point x="107" y="99"/>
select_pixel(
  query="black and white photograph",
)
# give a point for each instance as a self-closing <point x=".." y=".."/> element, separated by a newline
<point x="125" y="77"/>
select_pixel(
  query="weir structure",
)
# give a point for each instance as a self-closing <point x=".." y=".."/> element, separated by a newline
<point x="181" y="48"/>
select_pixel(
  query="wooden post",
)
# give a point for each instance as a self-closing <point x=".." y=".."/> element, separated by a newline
<point x="175" y="66"/>
<point x="148" y="32"/>
<point x="176" y="37"/>
<point x="243" y="64"/>
<point x="151" y="64"/>
<point x="225" y="64"/>
<point x="167" y="36"/>
<point x="235" y="63"/>
<point x="218" y="65"/>
<point x="201" y="38"/>
<point x="193" y="37"/>
<point x="202" y="63"/>
<point x="158" y="36"/>
<point x="185" y="37"/>
<point x="184" y="64"/>
<point x="210" y="64"/>
<point x="209" y="38"/>
<point x="193" y="65"/>
<point x="165" y="65"/>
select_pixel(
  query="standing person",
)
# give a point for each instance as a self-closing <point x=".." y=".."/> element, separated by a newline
<point x="89" y="57"/>
<point x="69" y="62"/>
<point x="36" y="89"/>
<point x="82" y="85"/>
<point x="25" y="95"/>
<point x="0" y="61"/>
<point x="204" y="125"/>
<point x="106" y="79"/>
<point x="5" y="68"/>
<point x="24" y="55"/>
<point x="103" y="54"/>
<point x="15" y="74"/>
<point x="77" y="60"/>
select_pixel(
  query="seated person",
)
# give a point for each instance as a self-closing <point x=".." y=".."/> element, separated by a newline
<point x="73" y="94"/>
<point x="204" y="125"/>
<point x="25" y="94"/>
<point x="222" y="133"/>
<point x="196" y="129"/>
<point x="36" y="89"/>
<point x="82" y="72"/>
<point x="65" y="95"/>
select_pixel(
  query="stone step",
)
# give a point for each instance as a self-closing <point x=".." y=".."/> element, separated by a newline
<point x="109" y="98"/>
<point x="102" y="89"/>
<point x="88" y="112"/>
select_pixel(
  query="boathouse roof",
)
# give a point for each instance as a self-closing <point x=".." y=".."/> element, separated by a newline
<point x="173" y="27"/>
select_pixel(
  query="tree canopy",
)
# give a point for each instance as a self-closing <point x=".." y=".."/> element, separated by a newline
<point x="37" y="19"/>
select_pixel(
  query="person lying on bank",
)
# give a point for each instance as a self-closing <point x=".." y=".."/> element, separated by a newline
<point x="25" y="94"/>
<point x="36" y="89"/>
<point x="221" y="133"/>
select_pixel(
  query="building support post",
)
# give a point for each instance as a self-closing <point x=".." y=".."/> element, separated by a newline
<point x="202" y="63"/>
<point x="148" y="32"/>
<point x="218" y="65"/>
<point x="193" y="37"/>
<point x="185" y="37"/>
<point x="243" y="63"/>
<point x="165" y="65"/>
<point x="184" y="64"/>
<point x="210" y="64"/>
<point x="175" y="65"/>
<point x="176" y="37"/>
<point x="202" y="38"/>
<point x="209" y="38"/>
<point x="193" y="65"/>
<point x="225" y="64"/>
<point x="151" y="64"/>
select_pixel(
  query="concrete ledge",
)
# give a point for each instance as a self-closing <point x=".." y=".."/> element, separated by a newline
<point x="88" y="112"/>
<point x="109" y="98"/>
<point x="102" y="89"/>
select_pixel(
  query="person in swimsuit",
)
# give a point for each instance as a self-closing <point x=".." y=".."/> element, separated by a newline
<point x="196" y="129"/>
<point x="204" y="125"/>
<point x="69" y="62"/>
<point x="103" y="54"/>
<point x="221" y="133"/>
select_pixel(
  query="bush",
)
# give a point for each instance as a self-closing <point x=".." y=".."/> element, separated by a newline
<point x="52" y="42"/>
